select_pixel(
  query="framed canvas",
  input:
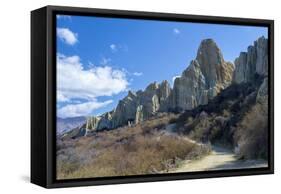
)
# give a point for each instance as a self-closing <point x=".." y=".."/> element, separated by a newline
<point x="125" y="96"/>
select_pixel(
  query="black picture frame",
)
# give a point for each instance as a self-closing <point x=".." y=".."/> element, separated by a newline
<point x="43" y="95"/>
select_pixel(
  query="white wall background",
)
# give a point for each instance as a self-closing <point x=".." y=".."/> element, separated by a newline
<point x="15" y="94"/>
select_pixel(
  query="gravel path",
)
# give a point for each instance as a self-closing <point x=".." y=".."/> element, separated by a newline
<point x="218" y="159"/>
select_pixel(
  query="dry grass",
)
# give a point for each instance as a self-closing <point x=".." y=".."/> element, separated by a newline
<point x="142" y="149"/>
<point x="251" y="136"/>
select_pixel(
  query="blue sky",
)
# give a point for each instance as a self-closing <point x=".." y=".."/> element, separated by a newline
<point x="100" y="59"/>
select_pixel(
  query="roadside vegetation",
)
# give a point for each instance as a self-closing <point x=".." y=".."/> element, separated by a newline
<point x="234" y="120"/>
<point x="141" y="149"/>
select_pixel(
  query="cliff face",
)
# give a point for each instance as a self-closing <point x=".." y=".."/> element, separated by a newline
<point x="189" y="89"/>
<point x="206" y="76"/>
<point x="254" y="61"/>
<point x="213" y="66"/>
<point x="134" y="108"/>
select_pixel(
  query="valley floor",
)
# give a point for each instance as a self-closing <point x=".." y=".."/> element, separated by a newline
<point x="219" y="159"/>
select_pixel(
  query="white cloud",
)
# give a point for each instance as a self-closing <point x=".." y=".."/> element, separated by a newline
<point x="118" y="47"/>
<point x="75" y="82"/>
<point x="105" y="61"/>
<point x="175" y="77"/>
<point x="91" y="65"/>
<point x="80" y="87"/>
<point x="83" y="109"/>
<point x="67" y="36"/>
<point x="137" y="73"/>
<point x="61" y="97"/>
<point x="113" y="47"/>
<point x="63" y="17"/>
<point x="176" y="31"/>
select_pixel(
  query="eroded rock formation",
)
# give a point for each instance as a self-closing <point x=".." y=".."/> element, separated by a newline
<point x="134" y="108"/>
<point x="206" y="76"/>
<point x="254" y="61"/>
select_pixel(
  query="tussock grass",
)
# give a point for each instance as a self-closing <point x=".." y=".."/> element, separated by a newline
<point x="141" y="149"/>
<point x="251" y="136"/>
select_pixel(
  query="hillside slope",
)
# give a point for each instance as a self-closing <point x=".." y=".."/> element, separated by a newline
<point x="158" y="129"/>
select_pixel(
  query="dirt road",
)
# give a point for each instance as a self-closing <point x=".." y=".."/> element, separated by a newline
<point x="218" y="159"/>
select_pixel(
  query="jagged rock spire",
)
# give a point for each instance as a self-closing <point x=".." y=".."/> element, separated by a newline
<point x="254" y="61"/>
<point x="204" y="78"/>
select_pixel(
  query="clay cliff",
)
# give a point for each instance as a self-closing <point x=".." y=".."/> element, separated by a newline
<point x="254" y="61"/>
<point x="134" y="108"/>
<point x="206" y="76"/>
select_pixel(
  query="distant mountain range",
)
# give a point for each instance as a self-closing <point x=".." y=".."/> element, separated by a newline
<point x="66" y="124"/>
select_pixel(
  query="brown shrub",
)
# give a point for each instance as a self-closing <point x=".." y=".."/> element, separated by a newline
<point x="140" y="149"/>
<point x="201" y="128"/>
<point x="141" y="154"/>
<point x="158" y="123"/>
<point x="251" y="136"/>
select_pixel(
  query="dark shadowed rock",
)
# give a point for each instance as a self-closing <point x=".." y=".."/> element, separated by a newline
<point x="263" y="91"/>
